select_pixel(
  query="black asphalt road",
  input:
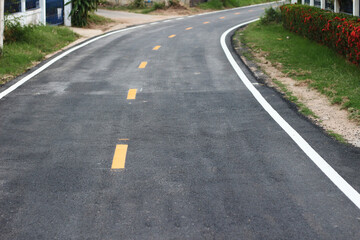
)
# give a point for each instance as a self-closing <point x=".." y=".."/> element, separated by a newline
<point x="204" y="159"/>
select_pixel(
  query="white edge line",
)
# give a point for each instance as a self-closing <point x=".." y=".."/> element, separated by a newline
<point x="52" y="61"/>
<point x="345" y="187"/>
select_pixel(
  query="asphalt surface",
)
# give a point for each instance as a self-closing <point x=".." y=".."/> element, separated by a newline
<point x="204" y="159"/>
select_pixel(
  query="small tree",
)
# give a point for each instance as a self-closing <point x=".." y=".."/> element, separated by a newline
<point x="80" y="11"/>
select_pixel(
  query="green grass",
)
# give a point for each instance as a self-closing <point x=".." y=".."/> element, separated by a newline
<point x="95" y="19"/>
<point x="35" y="43"/>
<point x="213" y="4"/>
<point x="338" y="137"/>
<point x="217" y="4"/>
<point x="302" y="59"/>
<point x="289" y="95"/>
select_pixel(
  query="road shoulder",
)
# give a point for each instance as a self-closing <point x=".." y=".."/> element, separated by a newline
<point x="315" y="106"/>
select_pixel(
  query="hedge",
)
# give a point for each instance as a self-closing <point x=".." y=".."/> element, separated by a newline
<point x="335" y="30"/>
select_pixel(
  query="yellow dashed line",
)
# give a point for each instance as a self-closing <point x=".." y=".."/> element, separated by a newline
<point x="142" y="64"/>
<point x="171" y="36"/>
<point x="119" y="156"/>
<point x="156" y="47"/>
<point x="188" y="28"/>
<point x="206" y="22"/>
<point x="131" y="94"/>
<point x="221" y="17"/>
<point x="237" y="13"/>
<point x="250" y="10"/>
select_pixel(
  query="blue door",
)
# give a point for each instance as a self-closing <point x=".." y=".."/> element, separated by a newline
<point x="55" y="12"/>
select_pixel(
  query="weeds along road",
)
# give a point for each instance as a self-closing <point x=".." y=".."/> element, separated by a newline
<point x="150" y="134"/>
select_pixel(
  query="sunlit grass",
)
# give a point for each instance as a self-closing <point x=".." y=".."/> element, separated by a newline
<point x="37" y="42"/>
<point x="303" y="59"/>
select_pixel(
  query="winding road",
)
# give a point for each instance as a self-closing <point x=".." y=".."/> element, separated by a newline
<point x="150" y="133"/>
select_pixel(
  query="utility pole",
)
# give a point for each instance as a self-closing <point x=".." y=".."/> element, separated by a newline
<point x="1" y="26"/>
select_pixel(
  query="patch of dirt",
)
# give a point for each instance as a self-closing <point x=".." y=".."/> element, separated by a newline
<point x="178" y="11"/>
<point x="331" y="116"/>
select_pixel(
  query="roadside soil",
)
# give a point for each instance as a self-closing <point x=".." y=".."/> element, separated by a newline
<point x="330" y="116"/>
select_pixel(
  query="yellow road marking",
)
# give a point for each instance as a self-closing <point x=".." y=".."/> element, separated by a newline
<point x="188" y="28"/>
<point x="206" y="22"/>
<point x="237" y="13"/>
<point x="119" y="156"/>
<point x="221" y="17"/>
<point x="156" y="47"/>
<point x="142" y="64"/>
<point x="123" y="139"/>
<point x="250" y="10"/>
<point x="171" y="36"/>
<point x="131" y="94"/>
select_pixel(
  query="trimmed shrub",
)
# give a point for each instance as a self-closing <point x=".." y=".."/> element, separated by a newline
<point x="271" y="16"/>
<point x="338" y="31"/>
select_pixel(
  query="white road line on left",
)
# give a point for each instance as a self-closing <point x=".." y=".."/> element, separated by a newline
<point x="52" y="61"/>
<point x="344" y="186"/>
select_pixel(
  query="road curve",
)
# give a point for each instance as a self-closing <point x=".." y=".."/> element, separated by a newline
<point x="149" y="133"/>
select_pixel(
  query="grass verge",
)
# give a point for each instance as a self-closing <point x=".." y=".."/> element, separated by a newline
<point x="217" y="4"/>
<point x="289" y="95"/>
<point x="35" y="43"/>
<point x="95" y="19"/>
<point x="144" y="9"/>
<point x="303" y="59"/>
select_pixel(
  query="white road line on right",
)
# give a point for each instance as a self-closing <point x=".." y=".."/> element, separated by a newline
<point x="344" y="186"/>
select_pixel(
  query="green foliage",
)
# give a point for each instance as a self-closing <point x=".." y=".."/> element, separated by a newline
<point x="14" y="31"/>
<point x="137" y="4"/>
<point x="174" y="3"/>
<point x="98" y="20"/>
<point x="340" y="32"/>
<point x="37" y="41"/>
<point x="321" y="67"/>
<point x="338" y="137"/>
<point x="80" y="11"/>
<point x="231" y="3"/>
<point x="159" y="5"/>
<point x="271" y="16"/>
<point x="217" y="4"/>
<point x="212" y="4"/>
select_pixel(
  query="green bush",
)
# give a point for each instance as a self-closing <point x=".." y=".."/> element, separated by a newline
<point x="335" y="30"/>
<point x="15" y="32"/>
<point x="137" y="4"/>
<point x="159" y="5"/>
<point x="231" y="3"/>
<point x="271" y="16"/>
<point x="213" y="4"/>
<point x="80" y="11"/>
<point x="174" y="3"/>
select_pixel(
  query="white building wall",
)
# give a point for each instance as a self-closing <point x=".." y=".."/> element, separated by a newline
<point x="28" y="17"/>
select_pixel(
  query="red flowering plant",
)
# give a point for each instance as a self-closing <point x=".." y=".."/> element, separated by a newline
<point x="335" y="30"/>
